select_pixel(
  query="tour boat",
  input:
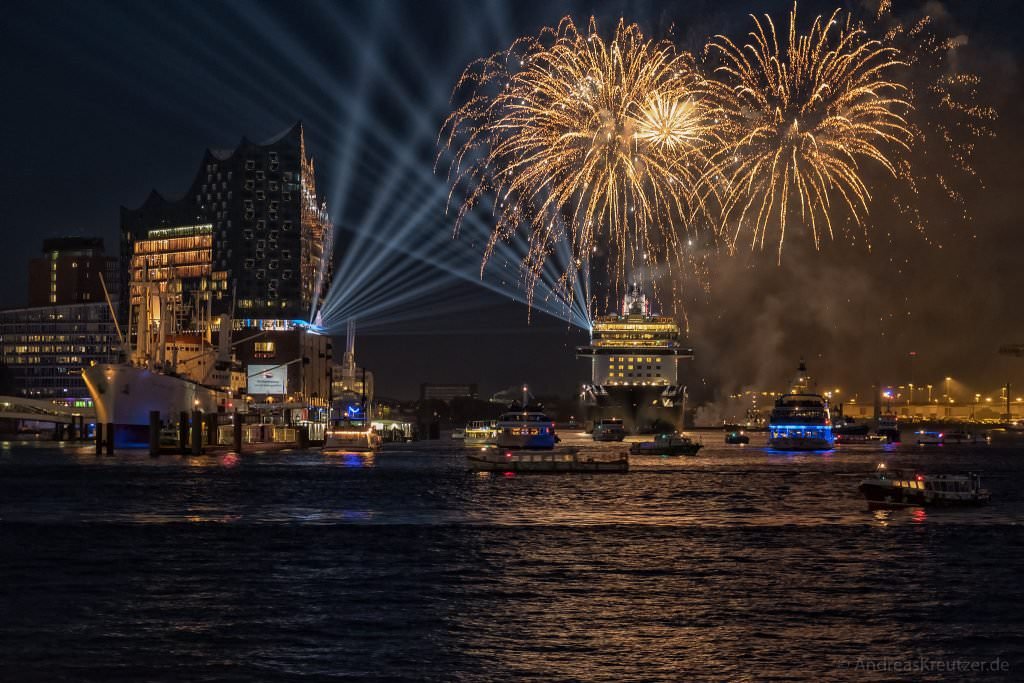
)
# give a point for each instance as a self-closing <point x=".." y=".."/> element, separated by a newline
<point x="526" y="429"/>
<point x="481" y="433"/>
<point x="609" y="429"/>
<point x="497" y="460"/>
<point x="351" y="438"/>
<point x="800" y="422"/>
<point x="667" y="444"/>
<point x="899" y="488"/>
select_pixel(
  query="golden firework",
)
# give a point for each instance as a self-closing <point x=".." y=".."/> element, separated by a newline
<point x="803" y="120"/>
<point x="586" y="141"/>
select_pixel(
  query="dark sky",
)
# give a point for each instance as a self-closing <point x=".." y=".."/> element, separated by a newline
<point x="105" y="100"/>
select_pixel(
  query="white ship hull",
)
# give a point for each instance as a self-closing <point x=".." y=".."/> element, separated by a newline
<point x="124" y="395"/>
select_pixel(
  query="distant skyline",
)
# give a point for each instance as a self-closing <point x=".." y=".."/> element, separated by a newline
<point x="109" y="100"/>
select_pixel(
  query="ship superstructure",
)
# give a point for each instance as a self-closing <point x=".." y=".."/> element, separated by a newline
<point x="635" y="356"/>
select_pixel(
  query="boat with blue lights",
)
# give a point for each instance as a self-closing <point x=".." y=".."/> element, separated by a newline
<point x="800" y="420"/>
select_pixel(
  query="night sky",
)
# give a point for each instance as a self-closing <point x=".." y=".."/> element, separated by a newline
<point x="105" y="101"/>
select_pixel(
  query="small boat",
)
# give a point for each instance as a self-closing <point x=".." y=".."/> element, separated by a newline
<point x="349" y="438"/>
<point x="526" y="429"/>
<point x="960" y="436"/>
<point x="611" y="429"/>
<point x="889" y="428"/>
<point x="481" y="433"/>
<point x="667" y="444"/>
<point x="458" y="434"/>
<point x="847" y="431"/>
<point x="498" y="460"/>
<point x="737" y="438"/>
<point x="924" y="437"/>
<point x="899" y="489"/>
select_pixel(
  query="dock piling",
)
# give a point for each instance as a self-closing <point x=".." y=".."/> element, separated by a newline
<point x="183" y="433"/>
<point x="154" y="433"/>
<point x="197" y="432"/>
<point x="110" y="438"/>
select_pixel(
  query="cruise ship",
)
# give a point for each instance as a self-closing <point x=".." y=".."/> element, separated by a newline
<point x="634" y="357"/>
<point x="800" y="420"/>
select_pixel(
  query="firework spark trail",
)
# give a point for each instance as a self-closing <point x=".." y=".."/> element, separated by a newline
<point x="950" y="119"/>
<point x="803" y="120"/>
<point x="585" y="141"/>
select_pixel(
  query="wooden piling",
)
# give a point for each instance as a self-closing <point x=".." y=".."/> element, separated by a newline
<point x="110" y="438"/>
<point x="197" y="432"/>
<point x="154" y="433"/>
<point x="183" y="433"/>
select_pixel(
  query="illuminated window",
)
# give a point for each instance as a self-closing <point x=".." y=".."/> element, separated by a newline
<point x="264" y="347"/>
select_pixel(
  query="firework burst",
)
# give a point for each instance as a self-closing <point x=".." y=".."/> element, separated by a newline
<point x="602" y="144"/>
<point x="803" y="120"/>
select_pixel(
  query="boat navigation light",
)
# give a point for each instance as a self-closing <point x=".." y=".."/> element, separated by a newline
<point x="920" y="477"/>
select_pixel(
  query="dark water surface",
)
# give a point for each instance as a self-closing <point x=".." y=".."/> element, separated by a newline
<point x="739" y="564"/>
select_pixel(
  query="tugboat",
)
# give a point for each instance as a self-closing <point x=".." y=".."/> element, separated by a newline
<point x="800" y="420"/>
<point x="900" y="489"/>
<point x="609" y="429"/>
<point x="526" y="429"/>
<point x="667" y="444"/>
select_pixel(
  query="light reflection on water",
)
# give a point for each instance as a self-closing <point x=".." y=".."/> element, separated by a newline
<point x="428" y="483"/>
<point x="402" y="565"/>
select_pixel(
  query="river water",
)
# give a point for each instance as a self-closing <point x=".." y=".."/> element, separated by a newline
<point x="737" y="564"/>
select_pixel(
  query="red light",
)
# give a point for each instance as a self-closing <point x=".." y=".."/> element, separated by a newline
<point x="920" y="478"/>
<point x="508" y="455"/>
<point x="510" y="474"/>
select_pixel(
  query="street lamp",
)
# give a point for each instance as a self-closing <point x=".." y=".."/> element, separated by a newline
<point x="948" y="380"/>
<point x="929" y="393"/>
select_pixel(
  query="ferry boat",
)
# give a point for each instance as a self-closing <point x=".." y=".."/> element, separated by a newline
<point x="800" y="420"/>
<point x="492" y="460"/>
<point x="667" y="444"/>
<point x="899" y="489"/>
<point x="351" y="438"/>
<point x="609" y="429"/>
<point x="481" y="433"/>
<point x="525" y="429"/>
